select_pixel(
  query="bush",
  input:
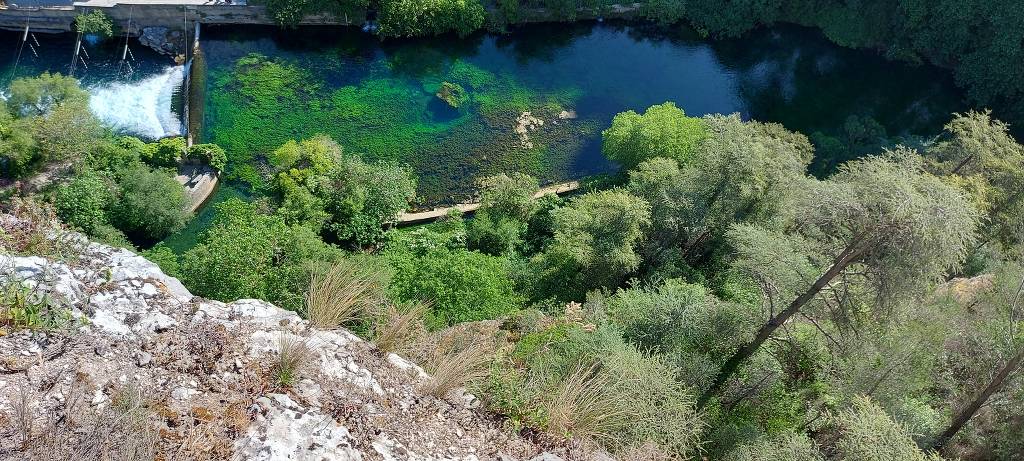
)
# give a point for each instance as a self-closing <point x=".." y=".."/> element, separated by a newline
<point x="152" y="204"/>
<point x="94" y="22"/>
<point x="82" y="202"/>
<point x="166" y="152"/>
<point x="410" y="18"/>
<point x="463" y="286"/>
<point x="662" y="131"/>
<point x="210" y="154"/>
<point x="164" y="257"/>
<point x="247" y="254"/>
<point x="542" y="386"/>
<point x="363" y="197"/>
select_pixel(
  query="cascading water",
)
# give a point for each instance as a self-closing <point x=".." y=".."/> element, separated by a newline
<point x="142" y="108"/>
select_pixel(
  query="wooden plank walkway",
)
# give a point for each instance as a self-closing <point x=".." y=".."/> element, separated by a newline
<point x="405" y="219"/>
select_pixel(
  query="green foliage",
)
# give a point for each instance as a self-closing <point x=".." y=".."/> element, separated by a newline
<point x="363" y="197"/>
<point x="25" y="307"/>
<point x="164" y="257"/>
<point x="980" y="157"/>
<point x="506" y="206"/>
<point x="787" y="446"/>
<point x="594" y="244"/>
<point x="17" y="147"/>
<point x="289" y="13"/>
<point x="247" y="254"/>
<point x="452" y="93"/>
<point x="39" y="95"/>
<point x="639" y="388"/>
<point x="739" y="172"/>
<point x="694" y="330"/>
<point x="82" y="202"/>
<point x="166" y="152"/>
<point x="210" y="154"/>
<point x="94" y="22"/>
<point x="408" y="18"/>
<point x="662" y="131"/>
<point x="151" y="206"/>
<point x="867" y="433"/>
<point x="462" y="286"/>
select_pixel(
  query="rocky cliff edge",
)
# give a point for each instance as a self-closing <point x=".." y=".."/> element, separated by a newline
<point x="133" y="366"/>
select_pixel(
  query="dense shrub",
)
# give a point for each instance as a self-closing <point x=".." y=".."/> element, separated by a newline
<point x="247" y="254"/>
<point x="210" y="154"/>
<point x="461" y="285"/>
<point x="643" y="402"/>
<point x="151" y="206"/>
<point x="661" y="131"/>
<point x="408" y="18"/>
<point x="83" y="201"/>
<point x="166" y="152"/>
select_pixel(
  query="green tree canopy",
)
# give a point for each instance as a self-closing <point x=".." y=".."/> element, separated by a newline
<point x="595" y="242"/>
<point x="247" y="254"/>
<point x="151" y="206"/>
<point x="662" y="131"/>
<point x="39" y="95"/>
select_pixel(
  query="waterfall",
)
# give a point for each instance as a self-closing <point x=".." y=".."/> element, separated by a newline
<point x="141" y="108"/>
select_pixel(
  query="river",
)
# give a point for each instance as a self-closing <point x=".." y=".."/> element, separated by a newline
<point x="376" y="98"/>
<point x="265" y="85"/>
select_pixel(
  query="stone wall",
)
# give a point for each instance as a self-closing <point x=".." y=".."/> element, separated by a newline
<point x="60" y="19"/>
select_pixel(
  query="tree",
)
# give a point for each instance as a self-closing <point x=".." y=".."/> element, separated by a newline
<point x="995" y="319"/>
<point x="17" y="147"/>
<point x="409" y="18"/>
<point x="979" y="155"/>
<point x="210" y="154"/>
<point x="882" y="220"/>
<point x="67" y="132"/>
<point x="662" y="131"/>
<point x="94" y="22"/>
<point x="166" y="152"/>
<point x="363" y="197"/>
<point x="247" y="254"/>
<point x="462" y="286"/>
<point x="684" y="322"/>
<point x="739" y="173"/>
<point x="506" y="206"/>
<point x="39" y="95"/>
<point x="151" y="206"/>
<point x="595" y="241"/>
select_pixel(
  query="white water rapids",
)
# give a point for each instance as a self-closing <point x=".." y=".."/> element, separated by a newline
<point x="140" y="108"/>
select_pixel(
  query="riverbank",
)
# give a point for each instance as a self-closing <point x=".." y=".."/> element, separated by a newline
<point x="134" y="15"/>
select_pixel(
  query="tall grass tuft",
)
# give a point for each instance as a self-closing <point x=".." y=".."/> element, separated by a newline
<point x="293" y="357"/>
<point x="455" y="360"/>
<point x="399" y="327"/>
<point x="340" y="294"/>
<point x="585" y="405"/>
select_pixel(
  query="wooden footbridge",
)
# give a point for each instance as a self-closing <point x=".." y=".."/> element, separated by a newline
<point x="420" y="217"/>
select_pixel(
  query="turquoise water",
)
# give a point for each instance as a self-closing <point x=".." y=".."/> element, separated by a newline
<point x="377" y="98"/>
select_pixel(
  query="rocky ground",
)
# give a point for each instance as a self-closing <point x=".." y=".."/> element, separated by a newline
<point x="125" y="363"/>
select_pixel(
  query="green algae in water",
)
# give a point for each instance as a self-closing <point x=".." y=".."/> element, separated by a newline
<point x="387" y="117"/>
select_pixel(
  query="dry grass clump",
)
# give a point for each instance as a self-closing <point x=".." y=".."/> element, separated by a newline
<point x="583" y="405"/>
<point x="36" y="231"/>
<point x="341" y="293"/>
<point x="122" y="429"/>
<point x="399" y="327"/>
<point x="454" y="359"/>
<point x="294" y="355"/>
